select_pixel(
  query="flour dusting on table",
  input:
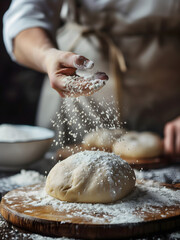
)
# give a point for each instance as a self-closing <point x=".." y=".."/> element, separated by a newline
<point x="24" y="178"/>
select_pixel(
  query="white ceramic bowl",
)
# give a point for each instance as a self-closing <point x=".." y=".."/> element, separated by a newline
<point x="23" y="144"/>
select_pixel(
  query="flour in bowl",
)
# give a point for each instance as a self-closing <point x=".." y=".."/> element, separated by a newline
<point x="10" y="133"/>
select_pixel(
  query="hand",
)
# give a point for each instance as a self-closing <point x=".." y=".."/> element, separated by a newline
<point x="34" y="48"/>
<point x="61" y="68"/>
<point x="172" y="137"/>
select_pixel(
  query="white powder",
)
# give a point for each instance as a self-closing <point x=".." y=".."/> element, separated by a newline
<point x="1" y="223"/>
<point x="23" y="133"/>
<point x="25" y="178"/>
<point x="10" y="232"/>
<point x="76" y="117"/>
<point x="169" y="174"/>
<point x="110" y="175"/>
<point x="38" y="237"/>
<point x="98" y="157"/>
<point x="175" y="235"/>
<point x="145" y="198"/>
<point x="10" y="133"/>
<point x="77" y="84"/>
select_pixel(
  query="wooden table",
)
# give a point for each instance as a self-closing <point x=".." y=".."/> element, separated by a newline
<point x="9" y="232"/>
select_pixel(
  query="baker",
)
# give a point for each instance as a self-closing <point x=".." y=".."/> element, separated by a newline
<point x="136" y="44"/>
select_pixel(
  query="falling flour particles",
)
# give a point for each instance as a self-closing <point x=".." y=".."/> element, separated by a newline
<point x="78" y="116"/>
<point x="72" y="122"/>
<point x="77" y="84"/>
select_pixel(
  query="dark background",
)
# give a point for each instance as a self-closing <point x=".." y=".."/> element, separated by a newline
<point x="19" y="86"/>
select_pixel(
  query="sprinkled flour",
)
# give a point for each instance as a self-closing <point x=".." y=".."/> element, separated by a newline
<point x="142" y="194"/>
<point x="24" y="178"/>
<point x="76" y="117"/>
<point x="145" y="198"/>
<point x="10" y="232"/>
<point x="77" y="84"/>
<point x="91" y="176"/>
<point x="170" y="174"/>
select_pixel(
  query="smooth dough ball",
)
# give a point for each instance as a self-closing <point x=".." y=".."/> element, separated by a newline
<point x="91" y="177"/>
<point x="102" y="139"/>
<point x="138" y="145"/>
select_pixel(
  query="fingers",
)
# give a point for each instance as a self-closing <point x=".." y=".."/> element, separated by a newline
<point x="66" y="71"/>
<point x="100" y="75"/>
<point x="172" y="137"/>
<point x="68" y="59"/>
<point x="178" y="142"/>
<point x="82" y="63"/>
<point x="178" y="136"/>
<point x="169" y="141"/>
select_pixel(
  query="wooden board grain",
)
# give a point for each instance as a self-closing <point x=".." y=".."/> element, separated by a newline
<point x="146" y="163"/>
<point x="50" y="221"/>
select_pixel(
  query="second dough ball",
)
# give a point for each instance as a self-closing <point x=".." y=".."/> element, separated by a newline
<point x="138" y="145"/>
<point x="91" y="177"/>
<point x="102" y="139"/>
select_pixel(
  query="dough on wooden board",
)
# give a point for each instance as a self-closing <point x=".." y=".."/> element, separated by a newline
<point x="138" y="145"/>
<point x="91" y="177"/>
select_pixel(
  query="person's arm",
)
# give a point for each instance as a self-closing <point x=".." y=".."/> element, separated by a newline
<point x="29" y="32"/>
<point x="35" y="49"/>
<point x="23" y="15"/>
<point x="172" y="137"/>
<point x="30" y="48"/>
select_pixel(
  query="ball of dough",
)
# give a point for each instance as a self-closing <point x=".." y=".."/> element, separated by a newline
<point x="138" y="145"/>
<point x="102" y="139"/>
<point x="91" y="177"/>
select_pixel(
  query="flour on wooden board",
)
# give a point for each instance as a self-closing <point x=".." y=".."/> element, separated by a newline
<point x="144" y="197"/>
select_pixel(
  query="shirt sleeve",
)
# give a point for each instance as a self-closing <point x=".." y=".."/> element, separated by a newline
<point x="24" y="14"/>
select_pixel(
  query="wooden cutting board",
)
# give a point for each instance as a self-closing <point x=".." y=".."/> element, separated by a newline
<point x="24" y="207"/>
<point x="146" y="163"/>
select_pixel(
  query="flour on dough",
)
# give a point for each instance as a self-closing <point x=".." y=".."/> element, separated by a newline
<point x="91" y="177"/>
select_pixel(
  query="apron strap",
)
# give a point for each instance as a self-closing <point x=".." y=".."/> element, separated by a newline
<point x="69" y="11"/>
